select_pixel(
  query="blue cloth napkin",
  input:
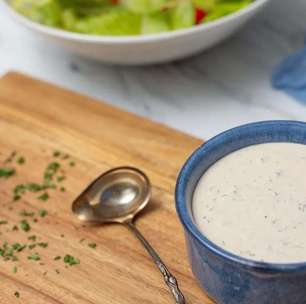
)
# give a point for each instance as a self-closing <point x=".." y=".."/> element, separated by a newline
<point x="290" y="76"/>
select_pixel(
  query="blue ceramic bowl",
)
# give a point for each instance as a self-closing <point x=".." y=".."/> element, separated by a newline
<point x="228" y="278"/>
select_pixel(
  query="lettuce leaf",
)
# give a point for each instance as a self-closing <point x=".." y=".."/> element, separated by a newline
<point x="155" y="23"/>
<point x="43" y="11"/>
<point x="226" y="7"/>
<point x="113" y="22"/>
<point x="144" y="6"/>
<point x="182" y="15"/>
<point x="206" y="5"/>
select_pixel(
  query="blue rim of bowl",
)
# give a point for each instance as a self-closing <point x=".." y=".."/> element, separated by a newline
<point x="192" y="229"/>
<point x="128" y="39"/>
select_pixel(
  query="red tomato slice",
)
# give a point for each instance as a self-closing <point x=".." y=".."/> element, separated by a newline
<point x="200" y="15"/>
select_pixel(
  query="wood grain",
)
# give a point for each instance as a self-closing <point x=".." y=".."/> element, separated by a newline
<point x="37" y="119"/>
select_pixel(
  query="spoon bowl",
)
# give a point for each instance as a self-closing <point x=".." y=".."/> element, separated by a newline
<point x="115" y="196"/>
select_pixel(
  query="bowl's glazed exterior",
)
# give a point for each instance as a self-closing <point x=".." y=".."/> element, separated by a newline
<point x="227" y="278"/>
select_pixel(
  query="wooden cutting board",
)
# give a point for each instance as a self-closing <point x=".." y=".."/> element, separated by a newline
<point x="37" y="119"/>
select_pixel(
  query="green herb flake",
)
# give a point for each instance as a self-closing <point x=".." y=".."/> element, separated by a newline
<point x="7" y="172"/>
<point x="21" y="189"/>
<point x="25" y="226"/>
<point x="60" y="178"/>
<point x="56" y="153"/>
<point x="16" y="198"/>
<point x="20" y="160"/>
<point x="26" y="213"/>
<point x="43" y="197"/>
<point x="34" y="257"/>
<point x="15" y="228"/>
<point x="34" y="187"/>
<point x="3" y="222"/>
<point x="7" y="252"/>
<point x="32" y="246"/>
<point x="72" y="164"/>
<point x="70" y="260"/>
<point x="17" y="294"/>
<point x="18" y="247"/>
<point x="18" y="191"/>
<point x="92" y="245"/>
<point x="32" y="238"/>
<point x="11" y="157"/>
<point x="57" y="258"/>
<point x="42" y="212"/>
<point x="14" y="269"/>
<point x="63" y="189"/>
<point x="49" y="174"/>
<point x="42" y="245"/>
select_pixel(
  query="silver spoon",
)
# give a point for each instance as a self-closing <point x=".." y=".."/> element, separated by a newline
<point x="116" y="197"/>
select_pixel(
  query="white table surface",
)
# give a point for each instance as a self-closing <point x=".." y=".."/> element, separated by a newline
<point x="203" y="95"/>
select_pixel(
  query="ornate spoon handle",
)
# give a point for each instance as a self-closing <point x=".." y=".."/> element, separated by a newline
<point x="170" y="280"/>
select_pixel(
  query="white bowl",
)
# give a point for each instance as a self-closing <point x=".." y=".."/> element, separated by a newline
<point x="145" y="49"/>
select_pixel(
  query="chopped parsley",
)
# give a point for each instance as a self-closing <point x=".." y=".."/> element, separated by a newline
<point x="92" y="245"/>
<point x="11" y="157"/>
<point x="34" y="257"/>
<point x="21" y="189"/>
<point x="43" y="212"/>
<point x="26" y="213"/>
<point x="25" y="226"/>
<point x="34" y="187"/>
<point x="42" y="244"/>
<point x="70" y="260"/>
<point x="56" y="153"/>
<point x="18" y="247"/>
<point x="15" y="228"/>
<point x="50" y="172"/>
<point x="20" y="160"/>
<point x="7" y="252"/>
<point x="53" y="175"/>
<point x="60" y="178"/>
<point x="17" y="294"/>
<point x="18" y="191"/>
<point x="32" y="238"/>
<point x="43" y="197"/>
<point x="32" y="246"/>
<point x="7" y="172"/>
<point x="16" y="197"/>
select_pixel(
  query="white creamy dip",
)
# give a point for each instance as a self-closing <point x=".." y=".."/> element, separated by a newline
<point x="253" y="203"/>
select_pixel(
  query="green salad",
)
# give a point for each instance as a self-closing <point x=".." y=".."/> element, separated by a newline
<point x="125" y="17"/>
